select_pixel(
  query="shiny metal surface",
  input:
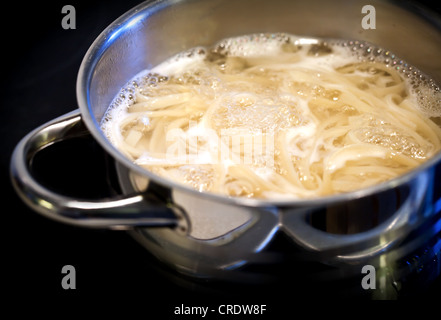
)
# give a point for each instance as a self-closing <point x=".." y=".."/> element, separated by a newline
<point x="156" y="30"/>
<point x="352" y="228"/>
<point x="116" y="213"/>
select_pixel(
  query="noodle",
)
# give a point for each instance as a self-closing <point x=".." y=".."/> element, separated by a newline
<point x="255" y="117"/>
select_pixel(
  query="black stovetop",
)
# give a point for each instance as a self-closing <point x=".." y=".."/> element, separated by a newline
<point x="41" y="60"/>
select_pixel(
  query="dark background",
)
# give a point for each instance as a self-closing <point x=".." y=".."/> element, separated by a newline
<point x="39" y="65"/>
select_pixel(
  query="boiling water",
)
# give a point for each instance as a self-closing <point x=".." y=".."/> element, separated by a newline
<point x="274" y="115"/>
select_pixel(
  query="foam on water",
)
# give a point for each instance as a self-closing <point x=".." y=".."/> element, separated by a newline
<point x="311" y="53"/>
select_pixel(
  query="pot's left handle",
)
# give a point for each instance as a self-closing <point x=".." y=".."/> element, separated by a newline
<point x="120" y="212"/>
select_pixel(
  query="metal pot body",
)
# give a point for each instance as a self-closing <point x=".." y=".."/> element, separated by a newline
<point x="206" y="235"/>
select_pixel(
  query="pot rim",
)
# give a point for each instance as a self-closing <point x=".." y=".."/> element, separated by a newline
<point x="85" y="74"/>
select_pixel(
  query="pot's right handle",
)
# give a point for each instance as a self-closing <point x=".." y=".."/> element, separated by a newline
<point x="366" y="244"/>
<point x="121" y="212"/>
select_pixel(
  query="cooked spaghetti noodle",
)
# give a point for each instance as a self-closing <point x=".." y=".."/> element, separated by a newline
<point x="274" y="115"/>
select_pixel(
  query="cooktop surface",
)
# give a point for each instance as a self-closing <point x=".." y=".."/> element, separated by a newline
<point x="41" y="58"/>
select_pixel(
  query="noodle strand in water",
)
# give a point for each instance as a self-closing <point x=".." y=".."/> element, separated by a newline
<point x="274" y="115"/>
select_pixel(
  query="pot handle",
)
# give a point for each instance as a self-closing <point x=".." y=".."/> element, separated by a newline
<point x="120" y="212"/>
<point x="355" y="247"/>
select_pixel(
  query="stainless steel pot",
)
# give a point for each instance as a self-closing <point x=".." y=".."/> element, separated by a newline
<point x="206" y="235"/>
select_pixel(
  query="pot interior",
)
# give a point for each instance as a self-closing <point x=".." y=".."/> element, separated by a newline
<point x="157" y="30"/>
